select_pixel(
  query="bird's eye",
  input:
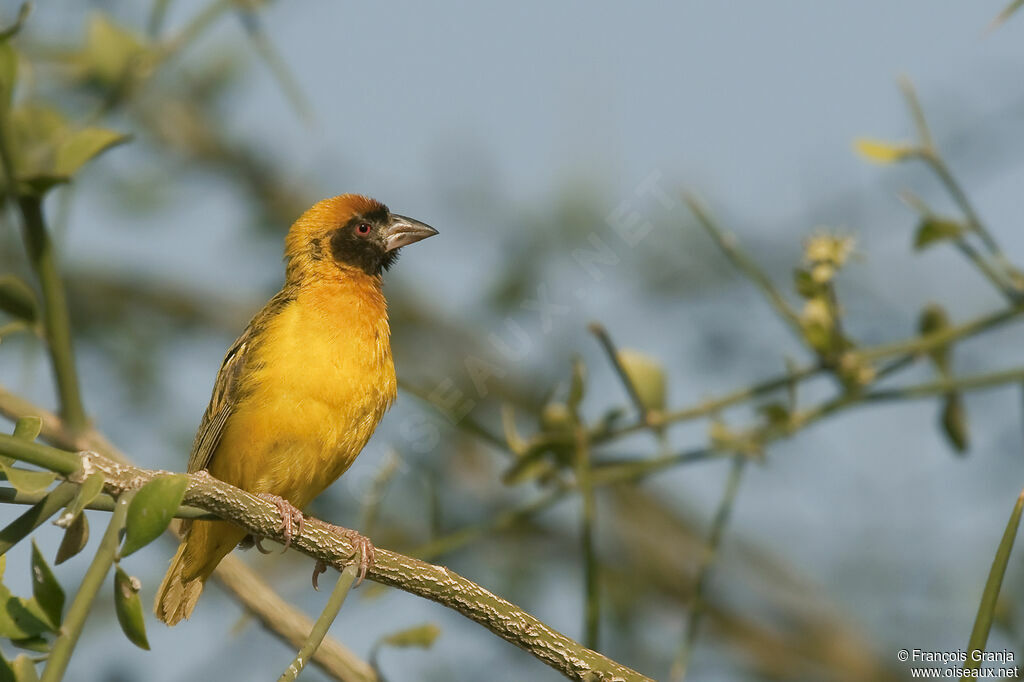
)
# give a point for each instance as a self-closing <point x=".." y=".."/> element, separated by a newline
<point x="363" y="229"/>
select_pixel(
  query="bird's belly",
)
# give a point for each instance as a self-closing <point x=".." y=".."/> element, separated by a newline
<point x="293" y="440"/>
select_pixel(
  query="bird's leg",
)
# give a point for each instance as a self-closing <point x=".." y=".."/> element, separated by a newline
<point x="360" y="542"/>
<point x="291" y="517"/>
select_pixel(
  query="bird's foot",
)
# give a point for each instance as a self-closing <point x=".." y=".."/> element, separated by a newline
<point x="362" y="546"/>
<point x="292" y="520"/>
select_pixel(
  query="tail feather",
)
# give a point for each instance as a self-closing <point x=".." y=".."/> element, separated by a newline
<point x="204" y="545"/>
<point x="178" y="595"/>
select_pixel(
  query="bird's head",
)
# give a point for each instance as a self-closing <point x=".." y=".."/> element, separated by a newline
<point x="349" y="233"/>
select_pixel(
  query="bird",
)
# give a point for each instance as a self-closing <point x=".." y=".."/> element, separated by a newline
<point x="301" y="391"/>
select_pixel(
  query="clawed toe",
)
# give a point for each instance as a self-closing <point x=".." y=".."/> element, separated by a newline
<point x="361" y="545"/>
<point x="292" y="519"/>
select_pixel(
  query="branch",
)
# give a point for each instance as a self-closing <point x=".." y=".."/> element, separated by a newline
<point x="319" y="541"/>
<point x="275" y="614"/>
<point x="322" y="625"/>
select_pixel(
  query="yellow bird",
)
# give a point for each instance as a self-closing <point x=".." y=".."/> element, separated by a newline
<point x="302" y="389"/>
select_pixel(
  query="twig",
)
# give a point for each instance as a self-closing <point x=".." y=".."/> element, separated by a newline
<point x="319" y="541"/>
<point x="283" y="620"/>
<point x="591" y="586"/>
<point x="56" y="323"/>
<point x="727" y="243"/>
<point x="79" y="610"/>
<point x="923" y="344"/>
<point x="682" y="661"/>
<point x="613" y="356"/>
<point x="322" y="625"/>
<point x="101" y="502"/>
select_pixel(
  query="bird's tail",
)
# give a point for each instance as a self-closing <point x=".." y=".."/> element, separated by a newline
<point x="204" y="545"/>
<point x="177" y="595"/>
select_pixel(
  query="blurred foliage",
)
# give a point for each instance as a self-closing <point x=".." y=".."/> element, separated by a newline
<point x="513" y="448"/>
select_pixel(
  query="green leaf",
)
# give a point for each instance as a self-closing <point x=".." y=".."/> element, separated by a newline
<point x="805" y="284"/>
<point x="990" y="597"/>
<point x="933" y="229"/>
<point x="20" y="618"/>
<point x="28" y="427"/>
<point x="45" y="589"/>
<point x="35" y="131"/>
<point x="881" y="152"/>
<point x="422" y="636"/>
<point x="35" y="516"/>
<point x="151" y="511"/>
<point x="83" y="145"/>
<point x="954" y="422"/>
<point x="88" y="491"/>
<point x="28" y="481"/>
<point x="17" y="298"/>
<point x="129" y="608"/>
<point x="775" y="414"/>
<point x="110" y="50"/>
<point x="8" y="74"/>
<point x="1006" y="13"/>
<point x="647" y="376"/>
<point x="577" y="384"/>
<point x="934" y="319"/>
<point x="24" y="669"/>
<point x="37" y="643"/>
<point x="12" y="30"/>
<point x="75" y="539"/>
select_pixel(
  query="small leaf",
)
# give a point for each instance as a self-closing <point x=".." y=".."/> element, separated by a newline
<point x="12" y="30"/>
<point x="647" y="376"/>
<point x="110" y="50"/>
<point x="37" y="643"/>
<point x="38" y="184"/>
<point x="45" y="589"/>
<point x="6" y="670"/>
<point x="20" y="618"/>
<point x="17" y="299"/>
<point x="954" y="422"/>
<point x="82" y="146"/>
<point x="24" y="669"/>
<point x="422" y="636"/>
<point x="577" y="384"/>
<point x="1006" y="13"/>
<point x="776" y="414"/>
<point x="8" y="74"/>
<point x="805" y="284"/>
<point x="75" y="539"/>
<point x="151" y="511"/>
<point x="27" y="481"/>
<point x="878" y="151"/>
<point x="934" y="319"/>
<point x="129" y="608"/>
<point x="88" y="491"/>
<point x="932" y="229"/>
<point x="28" y="427"/>
<point x="556" y="417"/>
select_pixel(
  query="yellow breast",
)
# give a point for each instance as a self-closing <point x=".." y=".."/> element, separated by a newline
<point x="323" y="377"/>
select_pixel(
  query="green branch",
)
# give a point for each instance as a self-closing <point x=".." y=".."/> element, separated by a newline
<point x="56" y="324"/>
<point x="79" y="610"/>
<point x="323" y="624"/>
<point x="727" y="243"/>
<point x="718" y="524"/>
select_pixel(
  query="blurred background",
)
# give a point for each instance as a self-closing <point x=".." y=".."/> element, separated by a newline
<point x="550" y="144"/>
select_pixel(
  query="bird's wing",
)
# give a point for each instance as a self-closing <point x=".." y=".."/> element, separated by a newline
<point x="228" y="387"/>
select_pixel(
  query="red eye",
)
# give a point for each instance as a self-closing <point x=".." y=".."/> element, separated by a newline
<point x="363" y="229"/>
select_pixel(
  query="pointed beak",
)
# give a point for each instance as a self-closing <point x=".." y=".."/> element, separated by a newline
<point x="404" y="231"/>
